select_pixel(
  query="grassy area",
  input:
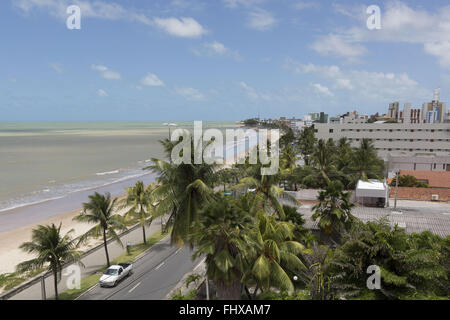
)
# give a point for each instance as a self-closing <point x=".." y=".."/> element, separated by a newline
<point x="93" y="279"/>
<point x="12" y="280"/>
<point x="85" y="285"/>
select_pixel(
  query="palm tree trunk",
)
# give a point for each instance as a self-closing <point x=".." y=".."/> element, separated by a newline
<point x="229" y="291"/>
<point x="106" y="247"/>
<point x="143" y="234"/>
<point x="55" y="282"/>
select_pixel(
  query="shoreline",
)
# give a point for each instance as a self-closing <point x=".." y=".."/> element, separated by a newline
<point x="62" y="210"/>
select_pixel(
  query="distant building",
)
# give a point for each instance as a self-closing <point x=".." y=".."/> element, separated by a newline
<point x="420" y="163"/>
<point x="393" y="111"/>
<point x="434" y="111"/>
<point x="400" y="139"/>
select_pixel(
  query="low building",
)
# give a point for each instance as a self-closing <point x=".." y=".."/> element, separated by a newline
<point x="421" y="163"/>
<point x="372" y="193"/>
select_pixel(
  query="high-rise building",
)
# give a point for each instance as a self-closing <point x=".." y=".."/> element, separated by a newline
<point x="393" y="111"/>
<point x="434" y="111"/>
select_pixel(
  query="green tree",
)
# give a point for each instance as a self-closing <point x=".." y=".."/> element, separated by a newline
<point x="139" y="202"/>
<point x="333" y="209"/>
<point x="276" y="260"/>
<point x="306" y="143"/>
<point x="181" y="192"/>
<point x="52" y="249"/>
<point x="100" y="211"/>
<point x="223" y="236"/>
<point x="365" y="163"/>
<point x="408" y="181"/>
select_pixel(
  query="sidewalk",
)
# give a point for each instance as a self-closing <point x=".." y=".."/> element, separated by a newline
<point x="94" y="260"/>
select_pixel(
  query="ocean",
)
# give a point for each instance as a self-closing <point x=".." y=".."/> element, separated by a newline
<point x="47" y="161"/>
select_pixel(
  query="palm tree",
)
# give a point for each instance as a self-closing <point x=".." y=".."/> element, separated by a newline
<point x="51" y="248"/>
<point x="323" y="159"/>
<point x="334" y="208"/>
<point x="223" y="236"/>
<point x="365" y="162"/>
<point x="140" y="204"/>
<point x="182" y="190"/>
<point x="266" y="194"/>
<point x="306" y="143"/>
<point x="100" y="210"/>
<point x="276" y="260"/>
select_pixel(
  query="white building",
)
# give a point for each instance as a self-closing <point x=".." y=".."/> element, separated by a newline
<point x="397" y="139"/>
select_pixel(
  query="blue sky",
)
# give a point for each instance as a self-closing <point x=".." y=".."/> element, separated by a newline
<point x="217" y="59"/>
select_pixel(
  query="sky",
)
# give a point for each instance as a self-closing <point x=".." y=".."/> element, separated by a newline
<point x="176" y="60"/>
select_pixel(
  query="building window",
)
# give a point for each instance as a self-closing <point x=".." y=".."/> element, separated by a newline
<point x="331" y="130"/>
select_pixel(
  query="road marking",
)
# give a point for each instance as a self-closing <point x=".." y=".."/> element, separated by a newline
<point x="199" y="264"/>
<point x="132" y="289"/>
<point x="446" y="213"/>
<point x="396" y="212"/>
<point x="160" y="265"/>
<point x="178" y="250"/>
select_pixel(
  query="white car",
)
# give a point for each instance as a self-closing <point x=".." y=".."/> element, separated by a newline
<point x="115" y="273"/>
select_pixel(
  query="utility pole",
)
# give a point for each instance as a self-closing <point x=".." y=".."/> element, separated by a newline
<point x="207" y="288"/>
<point x="397" y="174"/>
<point x="43" y="288"/>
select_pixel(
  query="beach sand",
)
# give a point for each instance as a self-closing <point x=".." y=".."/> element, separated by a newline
<point x="11" y="254"/>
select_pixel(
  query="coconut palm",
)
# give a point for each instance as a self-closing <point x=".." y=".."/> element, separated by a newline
<point x="100" y="211"/>
<point x="365" y="162"/>
<point x="140" y="204"/>
<point x="223" y="236"/>
<point x="334" y="208"/>
<point x="276" y="260"/>
<point x="52" y="249"/>
<point x="181" y="192"/>
<point x="323" y="159"/>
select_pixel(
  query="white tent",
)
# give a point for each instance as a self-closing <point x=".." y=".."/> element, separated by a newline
<point x="372" y="193"/>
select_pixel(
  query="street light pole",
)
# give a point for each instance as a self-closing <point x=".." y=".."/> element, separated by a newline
<point x="397" y="174"/>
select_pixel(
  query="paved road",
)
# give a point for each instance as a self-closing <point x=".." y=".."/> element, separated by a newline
<point x="155" y="274"/>
<point x="93" y="261"/>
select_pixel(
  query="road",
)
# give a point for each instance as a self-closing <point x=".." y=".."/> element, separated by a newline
<point x="154" y="276"/>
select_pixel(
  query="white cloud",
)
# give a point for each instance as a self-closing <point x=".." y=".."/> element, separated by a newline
<point x="441" y="50"/>
<point x="334" y="45"/>
<point x="184" y="27"/>
<point x="152" y="80"/>
<point x="261" y="20"/>
<point x="57" y="67"/>
<point x="190" y="93"/>
<point x="101" y="93"/>
<point x="217" y="48"/>
<point x="322" y="90"/>
<point x="364" y="85"/>
<point x="253" y="94"/>
<point x="106" y="73"/>
<point x="301" y="5"/>
<point x="245" y="3"/>
<point x="403" y="23"/>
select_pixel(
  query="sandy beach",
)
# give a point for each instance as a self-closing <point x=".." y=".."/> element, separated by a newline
<point x="11" y="255"/>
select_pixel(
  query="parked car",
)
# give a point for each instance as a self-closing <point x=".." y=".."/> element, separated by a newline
<point x="115" y="273"/>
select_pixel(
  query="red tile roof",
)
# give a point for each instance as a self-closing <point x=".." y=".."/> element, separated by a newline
<point x="436" y="179"/>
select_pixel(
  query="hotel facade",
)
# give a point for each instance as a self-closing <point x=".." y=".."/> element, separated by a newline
<point x="395" y="139"/>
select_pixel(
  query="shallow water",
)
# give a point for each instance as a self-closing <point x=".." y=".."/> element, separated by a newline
<point x="43" y="161"/>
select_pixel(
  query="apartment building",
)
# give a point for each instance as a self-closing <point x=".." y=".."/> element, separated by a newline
<point x="396" y="139"/>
